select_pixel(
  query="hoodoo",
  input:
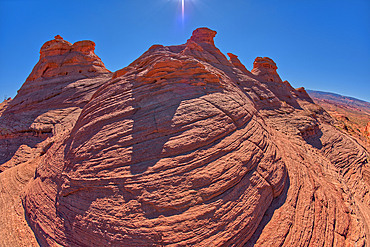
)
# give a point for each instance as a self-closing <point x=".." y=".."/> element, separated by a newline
<point x="51" y="99"/>
<point x="203" y="35"/>
<point x="58" y="57"/>
<point x="265" y="69"/>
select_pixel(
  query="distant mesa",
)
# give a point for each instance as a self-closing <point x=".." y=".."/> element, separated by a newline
<point x="342" y="100"/>
<point x="352" y="115"/>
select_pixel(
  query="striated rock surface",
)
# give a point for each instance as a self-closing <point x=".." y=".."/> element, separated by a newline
<point x="4" y="105"/>
<point x="170" y="153"/>
<point x="14" y="230"/>
<point x="187" y="148"/>
<point x="51" y="99"/>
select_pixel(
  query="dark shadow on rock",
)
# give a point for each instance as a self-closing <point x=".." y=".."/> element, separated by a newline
<point x="154" y="107"/>
<point x="34" y="99"/>
<point x="9" y="141"/>
<point x="275" y="204"/>
<point x="314" y="139"/>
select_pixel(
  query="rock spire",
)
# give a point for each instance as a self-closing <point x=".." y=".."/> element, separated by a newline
<point x="203" y="35"/>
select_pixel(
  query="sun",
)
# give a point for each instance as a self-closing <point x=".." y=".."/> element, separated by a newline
<point x="183" y="10"/>
<point x="185" y="13"/>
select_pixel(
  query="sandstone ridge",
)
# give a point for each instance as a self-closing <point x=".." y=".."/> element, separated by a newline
<point x="185" y="147"/>
<point x="201" y="142"/>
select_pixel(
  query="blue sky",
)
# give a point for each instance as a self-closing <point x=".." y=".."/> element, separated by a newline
<point x="318" y="44"/>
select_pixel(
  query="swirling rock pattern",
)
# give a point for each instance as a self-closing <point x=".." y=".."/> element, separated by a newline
<point x="187" y="148"/>
<point x="171" y="152"/>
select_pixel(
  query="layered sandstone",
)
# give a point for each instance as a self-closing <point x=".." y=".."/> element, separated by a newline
<point x="203" y="35"/>
<point x="187" y="148"/>
<point x="171" y="152"/>
<point x="4" y="105"/>
<point x="58" y="57"/>
<point x="14" y="230"/>
<point x="265" y="69"/>
<point x="52" y="97"/>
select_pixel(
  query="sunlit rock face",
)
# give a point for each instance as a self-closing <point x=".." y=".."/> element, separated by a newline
<point x="58" y="57"/>
<point x="187" y="148"/>
<point x="170" y="152"/>
<point x="203" y="35"/>
<point x="51" y="99"/>
<point x="265" y="69"/>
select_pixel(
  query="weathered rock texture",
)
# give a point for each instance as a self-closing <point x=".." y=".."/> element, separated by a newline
<point x="265" y="69"/>
<point x="187" y="148"/>
<point x="14" y="230"/>
<point x="58" y="57"/>
<point x="351" y="115"/>
<point x="171" y="152"/>
<point x="51" y="99"/>
<point x="4" y="105"/>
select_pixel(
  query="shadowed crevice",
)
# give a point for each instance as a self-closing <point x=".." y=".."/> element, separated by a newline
<point x="275" y="204"/>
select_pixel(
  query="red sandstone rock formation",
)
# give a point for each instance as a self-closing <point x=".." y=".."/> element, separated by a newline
<point x="52" y="97"/>
<point x="189" y="157"/>
<point x="184" y="147"/>
<point x="265" y="69"/>
<point x="4" y="105"/>
<point x="236" y="62"/>
<point x="59" y="57"/>
<point x="203" y="35"/>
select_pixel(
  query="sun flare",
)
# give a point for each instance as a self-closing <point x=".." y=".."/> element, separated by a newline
<point x="183" y="10"/>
